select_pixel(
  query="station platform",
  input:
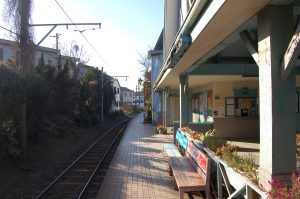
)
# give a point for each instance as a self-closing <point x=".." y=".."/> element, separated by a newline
<point x="139" y="168"/>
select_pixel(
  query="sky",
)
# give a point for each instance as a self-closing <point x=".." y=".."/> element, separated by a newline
<point x="128" y="28"/>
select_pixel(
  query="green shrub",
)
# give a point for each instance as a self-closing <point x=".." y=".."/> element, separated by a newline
<point x="246" y="164"/>
<point x="12" y="93"/>
<point x="214" y="142"/>
<point x="38" y="101"/>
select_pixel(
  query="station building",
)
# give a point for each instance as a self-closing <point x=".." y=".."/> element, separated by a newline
<point x="232" y="66"/>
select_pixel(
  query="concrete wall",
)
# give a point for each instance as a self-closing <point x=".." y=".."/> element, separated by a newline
<point x="237" y="127"/>
<point x="228" y="127"/>
<point x="226" y="89"/>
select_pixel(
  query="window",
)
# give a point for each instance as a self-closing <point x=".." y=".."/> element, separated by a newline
<point x="118" y="90"/>
<point x="125" y="94"/>
<point x="130" y="94"/>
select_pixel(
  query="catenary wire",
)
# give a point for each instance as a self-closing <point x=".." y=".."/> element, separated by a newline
<point x="89" y="43"/>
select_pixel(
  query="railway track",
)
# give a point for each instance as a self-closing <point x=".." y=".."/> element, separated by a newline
<point x="82" y="178"/>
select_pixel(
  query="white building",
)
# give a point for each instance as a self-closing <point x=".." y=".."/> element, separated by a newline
<point x="7" y="53"/>
<point x="138" y="99"/>
<point x="117" y="88"/>
<point x="127" y="96"/>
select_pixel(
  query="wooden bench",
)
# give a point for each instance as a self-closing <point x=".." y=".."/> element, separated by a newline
<point x="171" y="150"/>
<point x="191" y="173"/>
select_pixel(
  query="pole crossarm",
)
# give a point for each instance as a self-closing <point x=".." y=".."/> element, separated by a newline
<point x="63" y="24"/>
<point x="121" y="76"/>
<point x="67" y="24"/>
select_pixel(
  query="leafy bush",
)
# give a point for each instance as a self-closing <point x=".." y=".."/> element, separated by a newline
<point x="12" y="93"/>
<point x="228" y="148"/>
<point x="246" y="164"/>
<point x="8" y="141"/>
<point x="202" y="136"/>
<point x="214" y="142"/>
<point x="38" y="101"/>
<point x="148" y="117"/>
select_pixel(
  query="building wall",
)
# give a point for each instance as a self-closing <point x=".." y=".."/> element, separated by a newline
<point x="127" y="98"/>
<point x="156" y="65"/>
<point x="116" y="87"/>
<point x="50" y="55"/>
<point x="171" y="27"/>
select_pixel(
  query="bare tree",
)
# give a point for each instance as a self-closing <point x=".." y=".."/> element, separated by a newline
<point x="145" y="63"/>
<point x="18" y="13"/>
<point x="74" y="50"/>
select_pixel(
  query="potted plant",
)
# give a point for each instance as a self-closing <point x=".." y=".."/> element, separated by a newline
<point x="160" y="129"/>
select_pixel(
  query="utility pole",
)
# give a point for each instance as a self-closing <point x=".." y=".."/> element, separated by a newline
<point x="135" y="97"/>
<point x="139" y="82"/>
<point x="101" y="93"/>
<point x="56" y="37"/>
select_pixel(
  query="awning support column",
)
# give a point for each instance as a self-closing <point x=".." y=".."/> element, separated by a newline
<point x="276" y="96"/>
<point x="184" y="100"/>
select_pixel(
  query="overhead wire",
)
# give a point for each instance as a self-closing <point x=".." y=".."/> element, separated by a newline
<point x="89" y="43"/>
<point x="9" y="30"/>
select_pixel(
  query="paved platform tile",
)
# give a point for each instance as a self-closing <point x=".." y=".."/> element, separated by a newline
<point x="139" y="168"/>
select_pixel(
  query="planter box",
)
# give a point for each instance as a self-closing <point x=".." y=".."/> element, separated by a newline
<point x="235" y="179"/>
<point x="169" y="130"/>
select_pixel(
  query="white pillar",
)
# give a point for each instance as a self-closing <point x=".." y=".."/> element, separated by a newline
<point x="171" y="24"/>
<point x="277" y="96"/>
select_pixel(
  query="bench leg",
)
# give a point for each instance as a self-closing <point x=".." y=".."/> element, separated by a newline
<point x="181" y="194"/>
<point x="170" y="170"/>
<point x="175" y="184"/>
<point x="207" y="193"/>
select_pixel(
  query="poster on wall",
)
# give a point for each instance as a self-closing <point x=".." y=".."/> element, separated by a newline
<point x="219" y="108"/>
<point x="229" y="106"/>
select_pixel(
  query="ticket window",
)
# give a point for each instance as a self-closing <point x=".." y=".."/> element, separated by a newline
<point x="245" y="107"/>
<point x="242" y="104"/>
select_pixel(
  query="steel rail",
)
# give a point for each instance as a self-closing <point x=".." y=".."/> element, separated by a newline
<point x="100" y="162"/>
<point x="76" y="160"/>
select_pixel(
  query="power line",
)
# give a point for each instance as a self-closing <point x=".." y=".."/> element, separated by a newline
<point x="9" y="31"/>
<point x="90" y="44"/>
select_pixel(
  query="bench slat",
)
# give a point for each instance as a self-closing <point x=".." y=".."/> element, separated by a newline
<point x="185" y="174"/>
<point x="171" y="150"/>
<point x="191" y="173"/>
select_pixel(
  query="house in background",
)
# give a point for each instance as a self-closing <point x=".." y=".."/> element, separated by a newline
<point x="117" y="90"/>
<point x="138" y="99"/>
<point x="51" y="55"/>
<point x="126" y="96"/>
